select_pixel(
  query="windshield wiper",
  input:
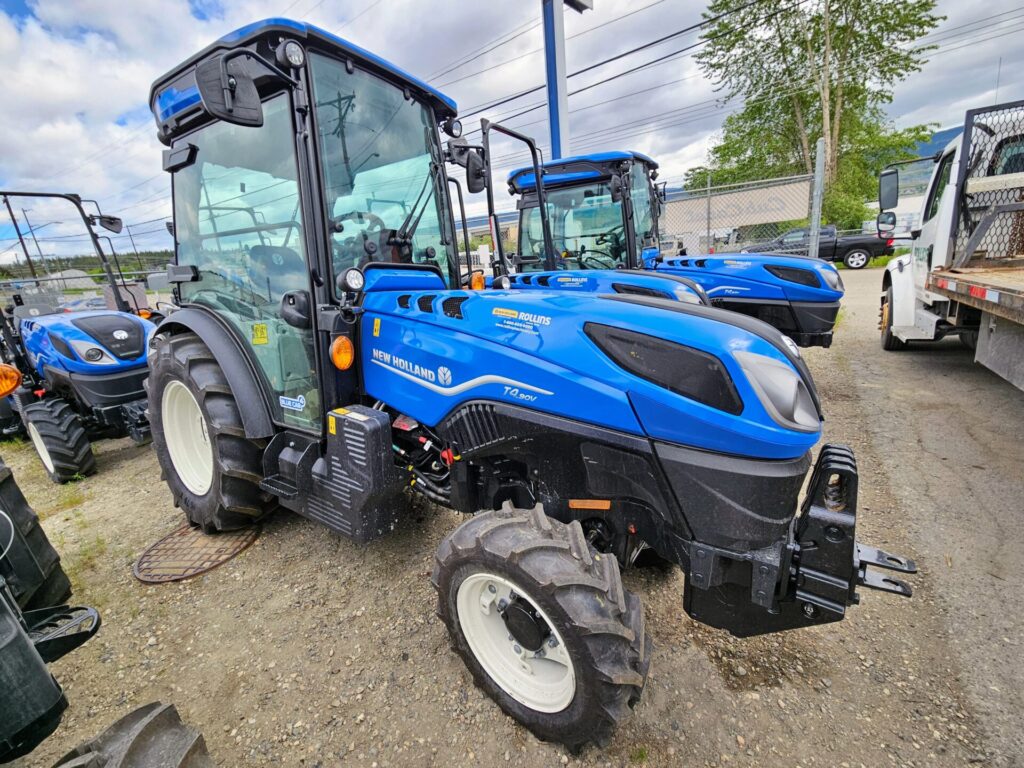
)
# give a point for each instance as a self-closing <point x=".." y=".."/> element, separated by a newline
<point x="403" y="235"/>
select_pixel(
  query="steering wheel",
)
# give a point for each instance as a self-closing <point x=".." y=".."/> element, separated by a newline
<point x="376" y="222"/>
<point x="611" y="236"/>
<point x="597" y="260"/>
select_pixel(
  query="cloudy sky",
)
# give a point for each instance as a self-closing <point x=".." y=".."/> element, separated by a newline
<point x="77" y="76"/>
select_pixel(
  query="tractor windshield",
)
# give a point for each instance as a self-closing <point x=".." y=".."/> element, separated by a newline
<point x="640" y="189"/>
<point x="586" y="230"/>
<point x="383" y="182"/>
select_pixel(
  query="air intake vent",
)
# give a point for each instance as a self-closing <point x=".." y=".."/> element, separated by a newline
<point x="474" y="427"/>
<point x="426" y="303"/>
<point x="528" y="280"/>
<point x="640" y="290"/>
<point x="452" y="306"/>
<point x="403" y="301"/>
<point x="543" y="280"/>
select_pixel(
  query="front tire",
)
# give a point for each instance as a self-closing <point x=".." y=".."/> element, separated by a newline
<point x="856" y="259"/>
<point x="543" y="623"/>
<point x="59" y="439"/>
<point x="890" y="341"/>
<point x="211" y="467"/>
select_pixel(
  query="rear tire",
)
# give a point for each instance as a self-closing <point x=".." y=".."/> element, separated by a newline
<point x="856" y="259"/>
<point x="59" y="439"/>
<point x="890" y="341"/>
<point x="969" y="339"/>
<point x="32" y="567"/>
<point x="595" y="628"/>
<point x="211" y="467"/>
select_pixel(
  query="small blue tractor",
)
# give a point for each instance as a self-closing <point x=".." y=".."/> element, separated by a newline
<point x="604" y="210"/>
<point x="80" y="373"/>
<point x="337" y="352"/>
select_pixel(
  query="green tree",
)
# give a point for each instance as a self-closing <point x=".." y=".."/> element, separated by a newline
<point x="818" y="69"/>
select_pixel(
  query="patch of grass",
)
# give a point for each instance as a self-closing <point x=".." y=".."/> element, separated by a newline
<point x="839" y="318"/>
<point x="69" y="497"/>
<point x="84" y="558"/>
<point x="639" y="755"/>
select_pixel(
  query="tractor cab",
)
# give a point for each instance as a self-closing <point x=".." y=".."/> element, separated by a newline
<point x="605" y="210"/>
<point x="326" y="357"/>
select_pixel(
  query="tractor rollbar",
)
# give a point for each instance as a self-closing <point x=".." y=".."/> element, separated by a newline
<point x="75" y="200"/>
<point x="486" y="126"/>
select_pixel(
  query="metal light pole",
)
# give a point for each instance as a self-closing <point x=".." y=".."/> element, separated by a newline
<point x="554" y="60"/>
<point x="32" y="231"/>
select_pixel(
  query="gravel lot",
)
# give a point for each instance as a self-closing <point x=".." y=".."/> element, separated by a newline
<point x="309" y="650"/>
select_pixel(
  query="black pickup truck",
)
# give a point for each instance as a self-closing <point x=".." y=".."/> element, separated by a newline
<point x="855" y="251"/>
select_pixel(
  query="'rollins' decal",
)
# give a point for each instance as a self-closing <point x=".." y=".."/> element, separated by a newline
<point x="428" y="378"/>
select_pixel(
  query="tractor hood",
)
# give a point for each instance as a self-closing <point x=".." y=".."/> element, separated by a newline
<point x="682" y="373"/>
<point x="757" y="276"/>
<point x="97" y="342"/>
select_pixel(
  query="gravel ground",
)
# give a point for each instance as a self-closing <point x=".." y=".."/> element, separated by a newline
<point x="310" y="650"/>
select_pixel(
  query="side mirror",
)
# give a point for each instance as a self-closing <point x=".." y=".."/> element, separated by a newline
<point x="110" y="223"/>
<point x="519" y="259"/>
<point x="886" y="222"/>
<point x="476" y="179"/>
<point x="229" y="92"/>
<point x="888" y="189"/>
<point x="615" y="185"/>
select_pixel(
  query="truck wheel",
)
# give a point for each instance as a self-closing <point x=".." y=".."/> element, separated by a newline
<point x="212" y="469"/>
<point x="890" y="342"/>
<point x="59" y="439"/>
<point x="856" y="259"/>
<point x="543" y="623"/>
<point x="32" y="566"/>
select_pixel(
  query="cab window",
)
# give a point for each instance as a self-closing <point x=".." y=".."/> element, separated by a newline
<point x="939" y="189"/>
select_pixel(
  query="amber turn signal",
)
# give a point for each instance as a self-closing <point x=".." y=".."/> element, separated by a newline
<point x="145" y="314"/>
<point x="10" y="379"/>
<point x="343" y="354"/>
<point x="590" y="504"/>
<point x="477" y="282"/>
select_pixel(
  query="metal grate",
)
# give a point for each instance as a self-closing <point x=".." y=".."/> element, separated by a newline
<point x="403" y="300"/>
<point x="989" y="220"/>
<point x="426" y="303"/>
<point x="186" y="552"/>
<point x="452" y="306"/>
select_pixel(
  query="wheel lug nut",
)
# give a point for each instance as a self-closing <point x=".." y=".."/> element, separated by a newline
<point x="517" y="649"/>
<point x="491" y="588"/>
<point x="502" y="604"/>
<point x="553" y="642"/>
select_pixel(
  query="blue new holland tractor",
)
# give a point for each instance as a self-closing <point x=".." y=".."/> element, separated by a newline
<point x="78" y="374"/>
<point x="327" y="357"/>
<point x="604" y="210"/>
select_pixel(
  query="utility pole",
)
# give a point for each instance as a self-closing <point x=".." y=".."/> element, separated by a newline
<point x="32" y="231"/>
<point x="17" y="230"/>
<point x="132" y="240"/>
<point x="554" y="61"/>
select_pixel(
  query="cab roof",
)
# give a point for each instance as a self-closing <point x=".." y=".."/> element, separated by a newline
<point x="175" y="93"/>
<point x="567" y="170"/>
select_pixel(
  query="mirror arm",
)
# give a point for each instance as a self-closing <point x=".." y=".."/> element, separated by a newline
<point x="245" y="52"/>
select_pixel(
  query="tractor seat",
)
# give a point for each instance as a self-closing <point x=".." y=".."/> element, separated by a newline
<point x="281" y="268"/>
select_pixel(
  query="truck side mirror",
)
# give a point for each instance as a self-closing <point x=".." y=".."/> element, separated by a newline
<point x="888" y="189"/>
<point x="476" y="180"/>
<point x="886" y="222"/>
<point x="229" y="92"/>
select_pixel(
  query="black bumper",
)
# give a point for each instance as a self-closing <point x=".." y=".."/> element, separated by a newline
<point x="808" y="323"/>
<point x="754" y="566"/>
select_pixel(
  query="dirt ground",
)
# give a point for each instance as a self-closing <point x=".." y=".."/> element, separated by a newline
<point x="309" y="650"/>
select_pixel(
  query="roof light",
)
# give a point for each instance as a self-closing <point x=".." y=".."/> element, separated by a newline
<point x="353" y="280"/>
<point x="453" y="127"/>
<point x="290" y="54"/>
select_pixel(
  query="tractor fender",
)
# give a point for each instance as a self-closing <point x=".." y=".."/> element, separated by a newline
<point x="237" y="367"/>
<point x="899" y="276"/>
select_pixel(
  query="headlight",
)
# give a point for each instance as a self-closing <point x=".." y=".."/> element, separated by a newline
<point x="781" y="391"/>
<point x="795" y="275"/>
<point x="686" y="371"/>
<point x="88" y="351"/>
<point x="833" y="278"/>
<point x="687" y="295"/>
<point x="352" y="280"/>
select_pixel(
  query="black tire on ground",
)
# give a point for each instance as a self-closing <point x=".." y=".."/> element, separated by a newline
<point x="890" y="342"/>
<point x="234" y="499"/>
<point x="31" y="567"/>
<point x="969" y="339"/>
<point x="62" y="444"/>
<point x="581" y="592"/>
<point x="858" y="258"/>
<point x="152" y="735"/>
<point x="10" y="420"/>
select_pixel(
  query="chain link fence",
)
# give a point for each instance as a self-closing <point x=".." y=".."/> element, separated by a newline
<point x="771" y="214"/>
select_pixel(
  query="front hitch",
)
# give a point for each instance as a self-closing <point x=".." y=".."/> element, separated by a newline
<point x="810" y="579"/>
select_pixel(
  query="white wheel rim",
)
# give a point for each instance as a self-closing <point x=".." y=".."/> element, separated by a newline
<point x="37" y="441"/>
<point x="187" y="438"/>
<point x="857" y="260"/>
<point x="544" y="681"/>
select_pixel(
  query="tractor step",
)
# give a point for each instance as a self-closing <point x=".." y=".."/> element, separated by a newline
<point x="280" y="486"/>
<point x="57" y="631"/>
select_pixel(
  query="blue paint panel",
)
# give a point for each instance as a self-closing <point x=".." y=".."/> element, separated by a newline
<point x="35" y="333"/>
<point x="603" y="281"/>
<point x="402" y="280"/>
<point x="172" y="100"/>
<point x="552" y="176"/>
<point x="529" y="348"/>
<point x="743" y="275"/>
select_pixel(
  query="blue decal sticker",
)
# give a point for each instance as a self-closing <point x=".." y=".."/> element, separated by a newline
<point x="293" y="403"/>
